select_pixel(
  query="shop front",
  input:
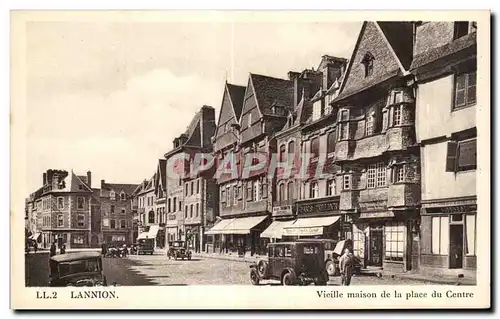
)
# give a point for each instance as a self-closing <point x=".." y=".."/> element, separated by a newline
<point x="150" y="231"/>
<point x="240" y="235"/>
<point x="448" y="236"/>
<point x="283" y="216"/>
<point x="193" y="237"/>
<point x="384" y="239"/>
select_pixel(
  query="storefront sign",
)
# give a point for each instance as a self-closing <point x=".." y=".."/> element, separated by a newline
<point x="373" y="206"/>
<point x="385" y="214"/>
<point x="303" y="231"/>
<point x="458" y="209"/>
<point x="282" y="210"/>
<point x="318" y="207"/>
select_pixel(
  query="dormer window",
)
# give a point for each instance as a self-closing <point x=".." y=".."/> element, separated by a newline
<point x="368" y="63"/>
<point x="123" y="196"/>
<point x="112" y="195"/>
<point x="462" y="28"/>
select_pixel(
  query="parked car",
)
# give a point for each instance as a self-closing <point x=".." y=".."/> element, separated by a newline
<point x="145" y="246"/>
<point x="292" y="263"/>
<point x="177" y="249"/>
<point x="81" y="269"/>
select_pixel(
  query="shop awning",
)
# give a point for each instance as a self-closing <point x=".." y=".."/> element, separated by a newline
<point x="275" y="230"/>
<point x="153" y="231"/>
<point x="219" y="226"/>
<point x="242" y="226"/>
<point x="143" y="235"/>
<point x="309" y="226"/>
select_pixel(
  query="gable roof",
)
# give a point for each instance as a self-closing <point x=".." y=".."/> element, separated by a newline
<point x="398" y="37"/>
<point x="161" y="174"/>
<point x="72" y="183"/>
<point x="271" y="91"/>
<point x="236" y="95"/>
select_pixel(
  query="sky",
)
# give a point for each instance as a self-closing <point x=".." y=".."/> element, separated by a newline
<point x="110" y="97"/>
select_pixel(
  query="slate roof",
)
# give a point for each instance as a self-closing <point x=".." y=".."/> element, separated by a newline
<point x="71" y="184"/>
<point x="237" y="95"/>
<point x="118" y="188"/>
<point x="429" y="56"/>
<point x="271" y="91"/>
<point x="400" y="37"/>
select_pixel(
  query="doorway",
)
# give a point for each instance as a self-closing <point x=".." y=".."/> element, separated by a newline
<point x="376" y="247"/>
<point x="456" y="246"/>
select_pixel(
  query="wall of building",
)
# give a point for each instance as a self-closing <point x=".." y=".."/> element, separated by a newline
<point x="434" y="114"/>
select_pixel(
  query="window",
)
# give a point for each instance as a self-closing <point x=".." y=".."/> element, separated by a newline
<point x="151" y="217"/>
<point x="343" y="131"/>
<point x="186" y="211"/>
<point x="330" y="187"/>
<point x="198" y="186"/>
<point x="197" y="210"/>
<point x="440" y="235"/>
<point x="398" y="173"/>
<point x="344" y="115"/>
<point x="461" y="29"/>
<point x="112" y="195"/>
<point x="256" y="190"/>
<point x="77" y="239"/>
<point x="369" y="124"/>
<point x="315" y="147"/>
<point x="123" y="196"/>
<point x="316" y="114"/>
<point x="105" y="222"/>
<point x="175" y="204"/>
<point x="112" y="209"/>
<point x="236" y="194"/>
<point x="346" y="182"/>
<point x="368" y="64"/>
<point x="281" y="192"/>
<point x="465" y="89"/>
<point x="180" y="205"/>
<point x="381" y="174"/>
<point x="123" y="223"/>
<point x="123" y="210"/>
<point x="290" y="191"/>
<point x="371" y="175"/>
<point x="282" y="153"/>
<point x="117" y="238"/>
<point x="169" y="205"/>
<point x="330" y="142"/>
<point x="461" y="156"/>
<point x="223" y="194"/>
<point x="249" y="120"/>
<point x="470" y="240"/>
<point x="60" y="202"/>
<point x="60" y="220"/>
<point x="80" y="202"/>
<point x="397" y="115"/>
<point x="186" y="186"/>
<point x="394" y="241"/>
<point x="314" y="190"/>
<point x="192" y="187"/>
<point x="291" y="147"/>
<point x="191" y="211"/>
<point x="228" y="195"/>
<point x="113" y="223"/>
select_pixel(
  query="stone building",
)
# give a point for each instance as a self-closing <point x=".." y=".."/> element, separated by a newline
<point x="62" y="210"/>
<point x="444" y="66"/>
<point x="117" y="213"/>
<point x="146" y="201"/>
<point x="190" y="193"/>
<point x="376" y="147"/>
<point x="160" y="202"/>
<point x="307" y="205"/>
<point x="265" y="108"/>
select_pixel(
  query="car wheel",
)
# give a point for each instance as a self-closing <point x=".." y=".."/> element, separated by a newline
<point x="288" y="279"/>
<point x="330" y="268"/>
<point x="254" y="277"/>
<point x="262" y="268"/>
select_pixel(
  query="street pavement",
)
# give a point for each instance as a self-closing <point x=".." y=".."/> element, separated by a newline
<point x="159" y="270"/>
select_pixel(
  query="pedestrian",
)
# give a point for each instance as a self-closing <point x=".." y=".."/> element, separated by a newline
<point x="53" y="249"/>
<point x="35" y="246"/>
<point x="346" y="264"/>
<point x="63" y="249"/>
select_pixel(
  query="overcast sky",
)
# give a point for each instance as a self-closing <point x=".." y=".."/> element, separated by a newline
<point x="109" y="97"/>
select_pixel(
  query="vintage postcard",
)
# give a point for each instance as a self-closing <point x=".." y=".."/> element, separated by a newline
<point x="208" y="159"/>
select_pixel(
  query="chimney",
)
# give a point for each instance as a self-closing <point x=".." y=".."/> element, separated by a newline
<point x="102" y="183"/>
<point x="44" y="179"/>
<point x="89" y="179"/>
<point x="294" y="77"/>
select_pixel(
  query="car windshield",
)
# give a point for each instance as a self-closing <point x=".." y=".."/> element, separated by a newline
<point x="310" y="249"/>
<point x="78" y="266"/>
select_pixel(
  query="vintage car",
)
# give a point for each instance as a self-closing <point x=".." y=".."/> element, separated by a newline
<point x="80" y="269"/>
<point x="145" y="246"/>
<point x="292" y="263"/>
<point x="177" y="249"/>
<point x="333" y="251"/>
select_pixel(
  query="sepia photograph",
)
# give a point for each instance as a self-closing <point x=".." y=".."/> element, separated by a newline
<point x="250" y="150"/>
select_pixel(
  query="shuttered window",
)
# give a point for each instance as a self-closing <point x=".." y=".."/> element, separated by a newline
<point x="330" y="147"/>
<point x="461" y="156"/>
<point x="465" y="89"/>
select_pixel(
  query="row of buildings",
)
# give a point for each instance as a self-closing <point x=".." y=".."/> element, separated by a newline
<point x="392" y="130"/>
